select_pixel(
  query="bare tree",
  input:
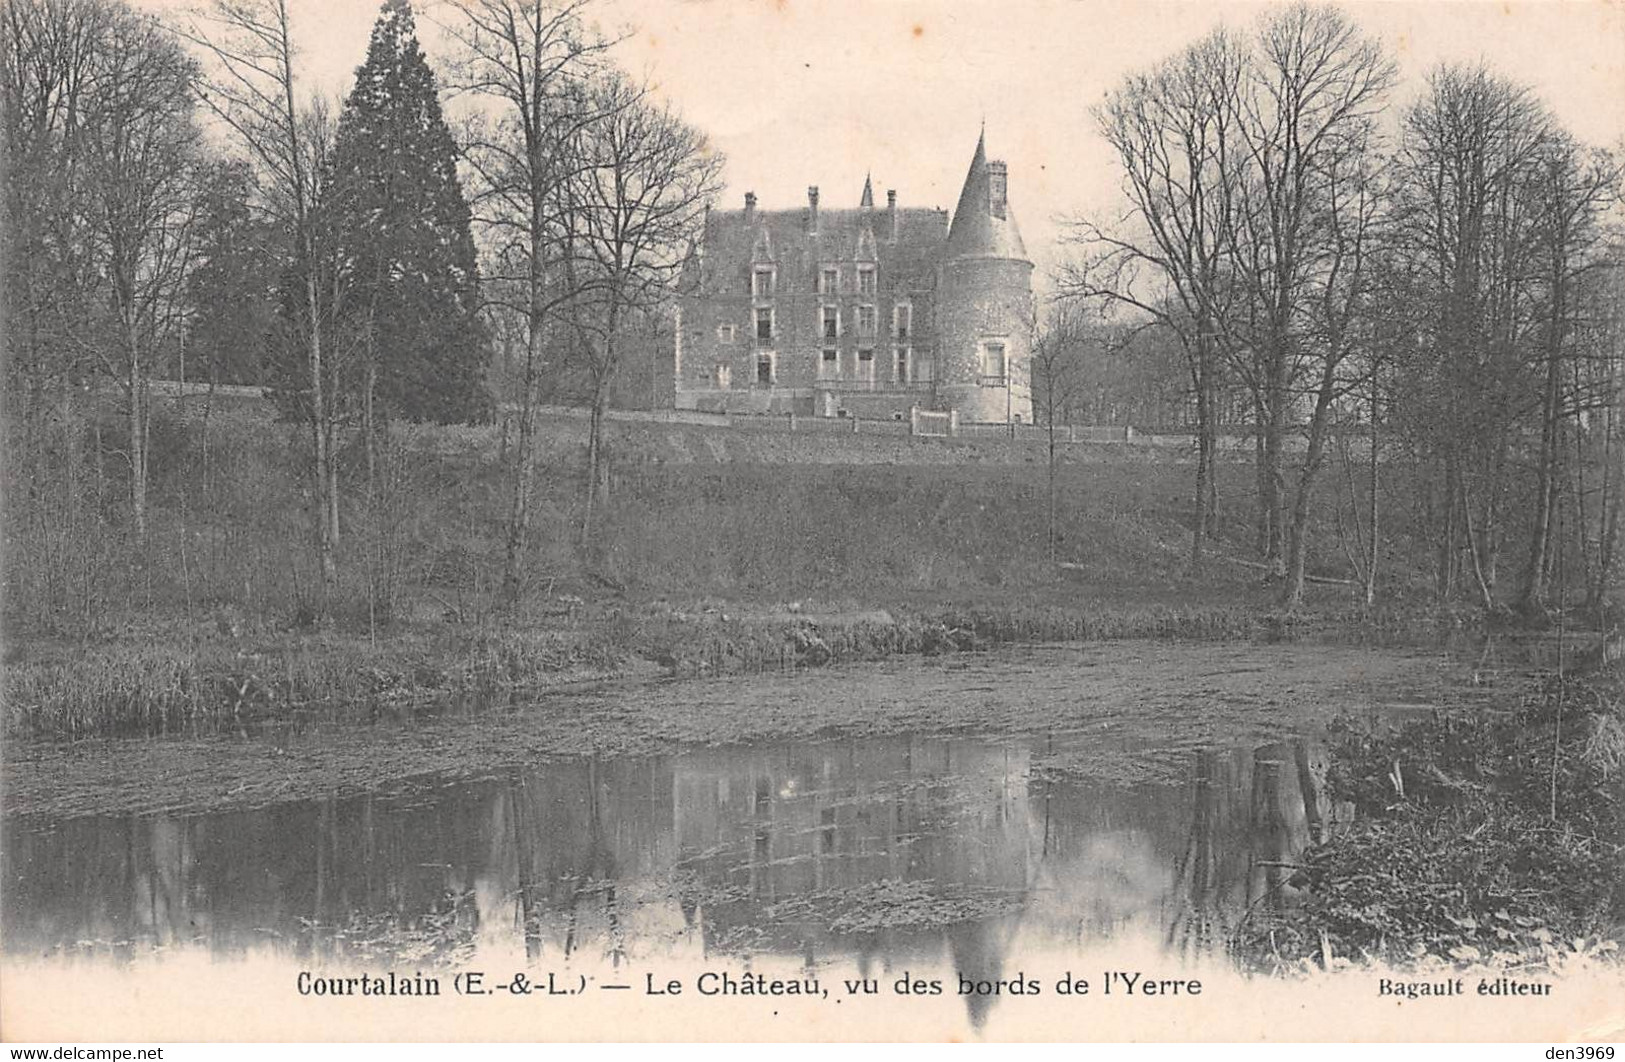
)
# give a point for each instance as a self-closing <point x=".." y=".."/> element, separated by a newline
<point x="1337" y="343"/>
<point x="1059" y="384"/>
<point x="1599" y="423"/>
<point x="530" y="60"/>
<point x="1173" y="133"/>
<point x="140" y="145"/>
<point x="1466" y="169"/>
<point x="256" y="91"/>
<point x="641" y="199"/>
<point x="1303" y="116"/>
<point x="1575" y="187"/>
<point x="48" y="51"/>
<point x="1244" y="164"/>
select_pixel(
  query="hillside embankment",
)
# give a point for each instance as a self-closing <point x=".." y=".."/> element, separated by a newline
<point x="720" y="549"/>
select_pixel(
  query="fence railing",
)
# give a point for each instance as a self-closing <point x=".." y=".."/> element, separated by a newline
<point x="922" y="423"/>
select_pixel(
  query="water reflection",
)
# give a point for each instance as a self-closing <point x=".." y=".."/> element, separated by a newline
<point x="890" y="848"/>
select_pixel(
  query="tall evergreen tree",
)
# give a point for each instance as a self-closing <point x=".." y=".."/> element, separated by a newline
<point x="397" y="213"/>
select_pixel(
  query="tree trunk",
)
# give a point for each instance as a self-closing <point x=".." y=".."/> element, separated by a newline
<point x="1051" y="513"/>
<point x="1610" y="495"/>
<point x="1297" y="555"/>
<point x="333" y="479"/>
<point x="1272" y="479"/>
<point x="1486" y="593"/>
<point x="1374" y="513"/>
<point x="523" y="464"/>
<point x="1547" y="471"/>
<point x="1205" y="440"/>
<point x="138" y="433"/>
<point x="1261" y="523"/>
<point x="1448" y="519"/>
<point x="369" y="426"/>
<point x="326" y="512"/>
<point x="595" y="435"/>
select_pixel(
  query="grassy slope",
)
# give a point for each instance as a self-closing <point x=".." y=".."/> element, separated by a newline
<point x="720" y="550"/>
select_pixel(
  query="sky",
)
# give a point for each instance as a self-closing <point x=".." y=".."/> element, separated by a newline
<point x="822" y="92"/>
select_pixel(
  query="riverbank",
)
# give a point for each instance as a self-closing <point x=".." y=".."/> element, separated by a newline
<point x="1159" y="704"/>
<point x="199" y="682"/>
<point x="1492" y="839"/>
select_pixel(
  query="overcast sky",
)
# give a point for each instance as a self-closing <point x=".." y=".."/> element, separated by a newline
<point x="800" y="92"/>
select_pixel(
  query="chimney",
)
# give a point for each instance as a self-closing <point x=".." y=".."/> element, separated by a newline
<point x="812" y="208"/>
<point x="891" y="212"/>
<point x="998" y="193"/>
<point x="750" y="208"/>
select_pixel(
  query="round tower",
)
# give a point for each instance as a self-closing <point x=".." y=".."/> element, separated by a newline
<point x="985" y="303"/>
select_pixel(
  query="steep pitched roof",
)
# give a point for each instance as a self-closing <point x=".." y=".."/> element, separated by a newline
<point x="731" y="245"/>
<point x="977" y="230"/>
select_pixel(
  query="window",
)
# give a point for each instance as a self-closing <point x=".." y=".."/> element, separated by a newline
<point x="994" y="365"/>
<point x="829" y="281"/>
<point x="724" y="377"/>
<point x="866" y="364"/>
<point x="832" y="322"/>
<point x="764" y="370"/>
<point x="866" y="320"/>
<point x="725" y="333"/>
<point x="866" y="280"/>
<point x="764" y="324"/>
<point x="829" y="365"/>
<point x="902" y="320"/>
<point x="761" y="283"/>
<point x="902" y="365"/>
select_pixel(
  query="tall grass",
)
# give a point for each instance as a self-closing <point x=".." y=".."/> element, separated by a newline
<point x="215" y="684"/>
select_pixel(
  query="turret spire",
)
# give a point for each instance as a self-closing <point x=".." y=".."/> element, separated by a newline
<point x="868" y="200"/>
<point x="983" y="226"/>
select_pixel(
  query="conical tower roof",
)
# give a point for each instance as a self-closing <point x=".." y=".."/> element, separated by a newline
<point x="983" y="226"/>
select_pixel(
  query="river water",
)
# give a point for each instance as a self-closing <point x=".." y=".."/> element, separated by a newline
<point x="952" y="847"/>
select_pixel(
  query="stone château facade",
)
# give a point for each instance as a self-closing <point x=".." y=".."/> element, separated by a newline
<point x="867" y="312"/>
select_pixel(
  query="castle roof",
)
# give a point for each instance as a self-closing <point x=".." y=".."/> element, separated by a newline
<point x="983" y="226"/>
<point x="735" y="240"/>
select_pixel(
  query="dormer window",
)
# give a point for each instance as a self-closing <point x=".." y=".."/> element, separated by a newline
<point x="866" y="280"/>
<point x="829" y="281"/>
<point x="761" y="283"/>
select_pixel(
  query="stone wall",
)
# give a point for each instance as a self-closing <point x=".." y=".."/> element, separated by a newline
<point x="985" y="300"/>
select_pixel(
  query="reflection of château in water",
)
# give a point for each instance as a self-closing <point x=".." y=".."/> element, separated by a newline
<point x="896" y="847"/>
<point x="794" y="843"/>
